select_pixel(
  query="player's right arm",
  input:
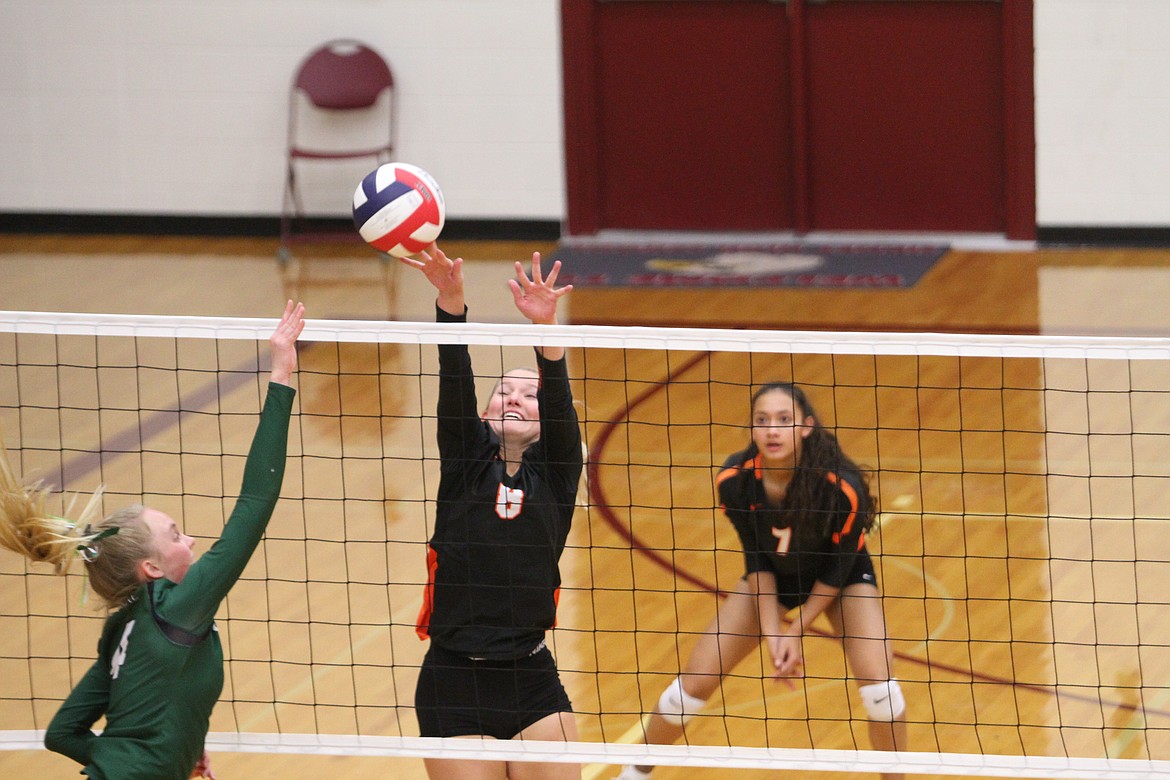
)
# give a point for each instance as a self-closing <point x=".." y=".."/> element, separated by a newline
<point x="763" y="585"/>
<point x="70" y="733"/>
<point x="460" y="428"/>
<point x="458" y="417"/>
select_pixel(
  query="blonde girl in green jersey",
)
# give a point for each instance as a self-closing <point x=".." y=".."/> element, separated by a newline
<point x="159" y="668"/>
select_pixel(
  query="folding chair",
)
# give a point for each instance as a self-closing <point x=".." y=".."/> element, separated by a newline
<point x="340" y="109"/>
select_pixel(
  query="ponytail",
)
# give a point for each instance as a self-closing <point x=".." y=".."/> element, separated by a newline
<point x="110" y="549"/>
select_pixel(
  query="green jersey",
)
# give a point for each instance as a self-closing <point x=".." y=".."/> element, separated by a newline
<point x="159" y="669"/>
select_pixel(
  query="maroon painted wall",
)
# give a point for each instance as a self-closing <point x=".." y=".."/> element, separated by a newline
<point x="905" y="116"/>
<point x="911" y="115"/>
<point x="694" y="115"/>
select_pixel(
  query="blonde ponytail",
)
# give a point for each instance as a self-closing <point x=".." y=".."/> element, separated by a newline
<point x="26" y="526"/>
<point x="110" y="549"/>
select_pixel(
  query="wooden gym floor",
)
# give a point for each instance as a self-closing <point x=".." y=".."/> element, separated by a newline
<point x="996" y="609"/>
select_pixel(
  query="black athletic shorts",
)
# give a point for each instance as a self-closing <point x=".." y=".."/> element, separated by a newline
<point x="792" y="593"/>
<point x="459" y="697"/>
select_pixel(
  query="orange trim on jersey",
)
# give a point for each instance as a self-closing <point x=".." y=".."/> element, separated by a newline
<point x="731" y="471"/>
<point x="854" y="503"/>
<point x="556" y="605"/>
<point x="753" y="463"/>
<point x="423" y="625"/>
<point x="757" y="464"/>
<point x="725" y="475"/>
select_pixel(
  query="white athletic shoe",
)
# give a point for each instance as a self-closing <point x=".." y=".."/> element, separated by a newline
<point x="632" y="773"/>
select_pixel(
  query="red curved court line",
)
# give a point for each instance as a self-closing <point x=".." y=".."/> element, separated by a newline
<point x="599" y="503"/>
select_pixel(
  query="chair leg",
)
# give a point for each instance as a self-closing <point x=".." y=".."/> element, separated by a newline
<point x="290" y="277"/>
<point x="290" y="212"/>
<point x="390" y="269"/>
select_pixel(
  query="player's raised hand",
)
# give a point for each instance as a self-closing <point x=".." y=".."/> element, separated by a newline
<point x="537" y="297"/>
<point x="283" y="342"/>
<point x="445" y="274"/>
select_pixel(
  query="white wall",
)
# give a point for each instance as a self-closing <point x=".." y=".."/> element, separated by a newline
<point x="178" y="106"/>
<point x="1103" y="112"/>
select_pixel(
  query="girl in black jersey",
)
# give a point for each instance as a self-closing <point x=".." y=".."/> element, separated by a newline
<point x="507" y="491"/>
<point x="159" y="669"/>
<point x="801" y="508"/>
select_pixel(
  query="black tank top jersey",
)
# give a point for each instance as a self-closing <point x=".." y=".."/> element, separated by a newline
<point x="774" y="540"/>
<point x="492" y="563"/>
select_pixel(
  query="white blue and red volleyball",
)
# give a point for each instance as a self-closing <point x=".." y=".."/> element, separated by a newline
<point x="398" y="209"/>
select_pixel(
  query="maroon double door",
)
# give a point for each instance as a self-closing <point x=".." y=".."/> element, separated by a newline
<point x="826" y="115"/>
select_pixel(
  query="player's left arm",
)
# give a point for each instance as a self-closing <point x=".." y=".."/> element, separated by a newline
<point x="560" y="433"/>
<point x="192" y="604"/>
<point x="788" y="648"/>
<point x="537" y="298"/>
<point x="819" y="599"/>
<point x="850" y="509"/>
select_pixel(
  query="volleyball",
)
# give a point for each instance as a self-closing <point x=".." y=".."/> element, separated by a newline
<point x="398" y="208"/>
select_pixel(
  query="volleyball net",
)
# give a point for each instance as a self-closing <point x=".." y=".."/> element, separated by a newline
<point x="1022" y="550"/>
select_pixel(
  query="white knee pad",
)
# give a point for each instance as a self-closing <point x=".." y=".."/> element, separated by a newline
<point x="677" y="706"/>
<point x="883" y="701"/>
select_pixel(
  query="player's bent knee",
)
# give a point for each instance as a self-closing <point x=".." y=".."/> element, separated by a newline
<point x="883" y="701"/>
<point x="677" y="706"/>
